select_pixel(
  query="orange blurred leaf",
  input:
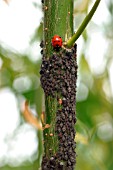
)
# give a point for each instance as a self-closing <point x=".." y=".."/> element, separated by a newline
<point x="30" y="118"/>
<point x="33" y="120"/>
<point x="7" y="1"/>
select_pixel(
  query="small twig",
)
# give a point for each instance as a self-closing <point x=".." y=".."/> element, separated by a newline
<point x="72" y="40"/>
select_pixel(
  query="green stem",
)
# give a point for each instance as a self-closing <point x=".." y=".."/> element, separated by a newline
<point x="58" y="20"/>
<point x="72" y="40"/>
<point x="50" y="138"/>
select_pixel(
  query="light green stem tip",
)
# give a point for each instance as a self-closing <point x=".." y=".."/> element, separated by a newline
<point x="72" y="40"/>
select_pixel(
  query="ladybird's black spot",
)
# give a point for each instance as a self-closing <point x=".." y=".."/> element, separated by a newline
<point x="57" y="48"/>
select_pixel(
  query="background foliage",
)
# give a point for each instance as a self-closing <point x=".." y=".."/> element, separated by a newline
<point x="94" y="98"/>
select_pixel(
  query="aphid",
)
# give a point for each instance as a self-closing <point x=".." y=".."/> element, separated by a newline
<point x="42" y="44"/>
<point x="46" y="8"/>
<point x="64" y="129"/>
<point x="60" y="101"/>
<point x="56" y="42"/>
<point x="45" y="29"/>
<point x="70" y="117"/>
<point x="51" y="134"/>
<point x="42" y="1"/>
<point x="41" y="52"/>
<point x="59" y="130"/>
<point x="60" y="135"/>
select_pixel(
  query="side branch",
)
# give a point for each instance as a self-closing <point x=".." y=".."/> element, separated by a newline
<point x="72" y="40"/>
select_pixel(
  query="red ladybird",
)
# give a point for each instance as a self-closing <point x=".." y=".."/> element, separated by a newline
<point x="56" y="42"/>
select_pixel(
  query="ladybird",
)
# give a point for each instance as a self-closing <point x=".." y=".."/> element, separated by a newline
<point x="57" y="42"/>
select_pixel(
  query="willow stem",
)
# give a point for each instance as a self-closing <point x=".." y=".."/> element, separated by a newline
<point x="72" y="40"/>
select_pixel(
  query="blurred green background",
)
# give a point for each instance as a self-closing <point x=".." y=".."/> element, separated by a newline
<point x="19" y="76"/>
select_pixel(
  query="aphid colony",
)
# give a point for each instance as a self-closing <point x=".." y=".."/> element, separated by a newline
<point x="59" y="75"/>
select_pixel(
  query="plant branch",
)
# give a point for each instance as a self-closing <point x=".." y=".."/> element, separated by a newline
<point x="72" y="40"/>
